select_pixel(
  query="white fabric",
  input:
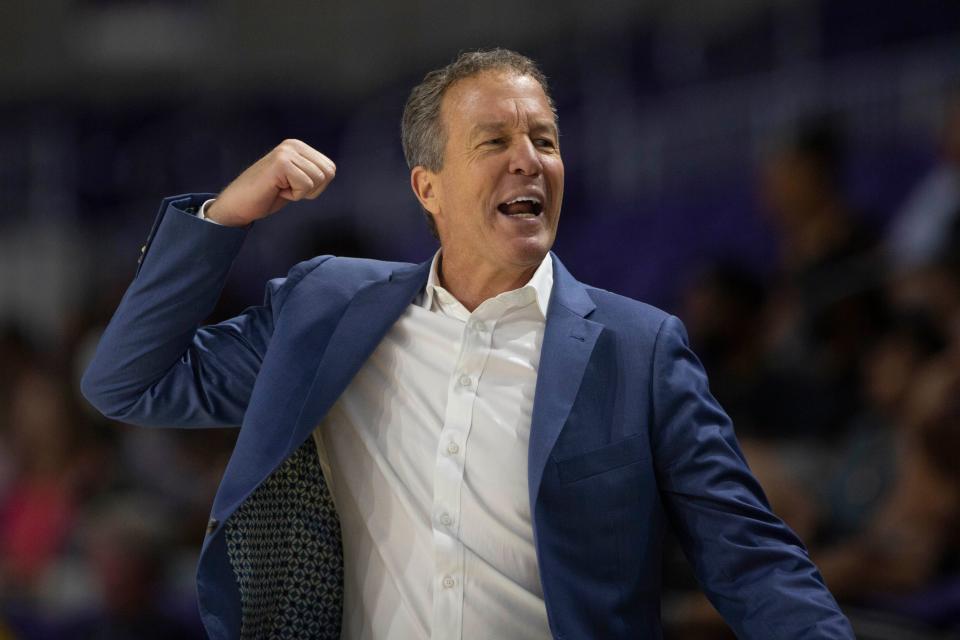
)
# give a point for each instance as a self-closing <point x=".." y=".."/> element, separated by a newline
<point x="426" y="457"/>
<point x="202" y="214"/>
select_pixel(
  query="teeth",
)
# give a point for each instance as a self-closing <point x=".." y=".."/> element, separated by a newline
<point x="525" y="199"/>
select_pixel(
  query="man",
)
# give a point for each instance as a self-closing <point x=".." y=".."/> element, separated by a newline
<point x="504" y="445"/>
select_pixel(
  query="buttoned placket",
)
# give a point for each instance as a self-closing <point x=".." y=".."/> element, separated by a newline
<point x="451" y="459"/>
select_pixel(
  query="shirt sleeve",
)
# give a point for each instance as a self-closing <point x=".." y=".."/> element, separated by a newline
<point x="202" y="214"/>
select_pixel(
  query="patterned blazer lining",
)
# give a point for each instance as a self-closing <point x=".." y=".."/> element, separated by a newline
<point x="285" y="548"/>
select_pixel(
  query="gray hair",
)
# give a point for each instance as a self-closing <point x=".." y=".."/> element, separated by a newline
<point x="421" y="129"/>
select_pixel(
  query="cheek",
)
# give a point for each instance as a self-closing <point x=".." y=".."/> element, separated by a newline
<point x="468" y="212"/>
<point x="555" y="175"/>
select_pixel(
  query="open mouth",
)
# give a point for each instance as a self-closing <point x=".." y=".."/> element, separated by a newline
<point x="522" y="207"/>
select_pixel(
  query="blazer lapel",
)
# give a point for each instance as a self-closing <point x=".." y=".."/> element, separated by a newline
<point x="368" y="317"/>
<point x="568" y="341"/>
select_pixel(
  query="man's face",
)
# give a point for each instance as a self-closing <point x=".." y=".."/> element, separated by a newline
<point x="497" y="197"/>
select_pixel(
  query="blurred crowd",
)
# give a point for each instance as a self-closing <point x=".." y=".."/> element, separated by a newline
<point x="842" y="375"/>
<point x="840" y="367"/>
<point x="100" y="523"/>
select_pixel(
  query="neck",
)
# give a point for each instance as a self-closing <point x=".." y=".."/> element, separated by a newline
<point x="471" y="284"/>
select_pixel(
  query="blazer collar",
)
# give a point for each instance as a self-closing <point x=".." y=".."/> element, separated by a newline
<point x="569" y="292"/>
<point x="367" y="318"/>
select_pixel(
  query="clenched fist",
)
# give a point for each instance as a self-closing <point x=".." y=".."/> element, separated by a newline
<point x="292" y="171"/>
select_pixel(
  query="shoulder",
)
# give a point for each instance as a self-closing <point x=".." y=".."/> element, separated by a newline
<point x="619" y="311"/>
<point x="345" y="270"/>
<point x="361" y="268"/>
<point x="332" y="278"/>
<point x="599" y="305"/>
<point x="638" y="328"/>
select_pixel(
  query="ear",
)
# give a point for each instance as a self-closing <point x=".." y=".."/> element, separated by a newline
<point x="424" y="184"/>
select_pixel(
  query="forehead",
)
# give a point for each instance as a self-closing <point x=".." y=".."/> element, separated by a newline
<point x="495" y="97"/>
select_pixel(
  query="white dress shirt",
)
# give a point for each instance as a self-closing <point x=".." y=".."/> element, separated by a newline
<point x="426" y="457"/>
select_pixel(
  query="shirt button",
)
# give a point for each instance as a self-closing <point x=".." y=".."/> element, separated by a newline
<point x="446" y="520"/>
<point x="465" y="381"/>
<point x="453" y="448"/>
<point x="480" y="327"/>
<point x="448" y="582"/>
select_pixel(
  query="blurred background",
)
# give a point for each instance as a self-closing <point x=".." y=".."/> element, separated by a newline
<point x="784" y="175"/>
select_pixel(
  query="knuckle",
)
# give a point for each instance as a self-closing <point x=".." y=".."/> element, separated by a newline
<point x="285" y="149"/>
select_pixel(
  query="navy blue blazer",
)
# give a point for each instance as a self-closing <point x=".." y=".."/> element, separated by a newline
<point x="626" y="439"/>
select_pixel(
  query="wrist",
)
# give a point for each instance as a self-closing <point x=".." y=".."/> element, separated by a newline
<point x="215" y="214"/>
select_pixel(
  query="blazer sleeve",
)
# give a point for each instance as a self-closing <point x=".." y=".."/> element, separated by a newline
<point x="155" y="365"/>
<point x="752" y="567"/>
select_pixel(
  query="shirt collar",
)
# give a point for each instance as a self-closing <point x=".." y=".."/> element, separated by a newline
<point x="541" y="284"/>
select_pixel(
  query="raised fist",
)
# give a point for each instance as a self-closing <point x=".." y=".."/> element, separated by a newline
<point x="292" y="171"/>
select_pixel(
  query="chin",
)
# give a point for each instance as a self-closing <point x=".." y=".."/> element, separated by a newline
<point x="528" y="251"/>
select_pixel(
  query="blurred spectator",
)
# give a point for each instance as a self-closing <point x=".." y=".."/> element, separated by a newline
<point x="723" y="311"/>
<point x="912" y="533"/>
<point x="934" y="288"/>
<point x="126" y="547"/>
<point x="39" y="505"/>
<point x="15" y="354"/>
<point x="865" y="468"/>
<point x="824" y="309"/>
<point x="919" y="232"/>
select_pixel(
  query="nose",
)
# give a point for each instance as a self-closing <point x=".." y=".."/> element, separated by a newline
<point x="524" y="159"/>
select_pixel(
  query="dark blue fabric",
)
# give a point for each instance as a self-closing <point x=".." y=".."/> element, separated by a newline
<point x="625" y="441"/>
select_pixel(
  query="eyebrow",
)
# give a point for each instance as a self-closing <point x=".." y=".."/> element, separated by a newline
<point x="500" y="126"/>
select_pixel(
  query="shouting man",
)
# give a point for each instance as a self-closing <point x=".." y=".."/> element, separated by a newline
<point x="479" y="446"/>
